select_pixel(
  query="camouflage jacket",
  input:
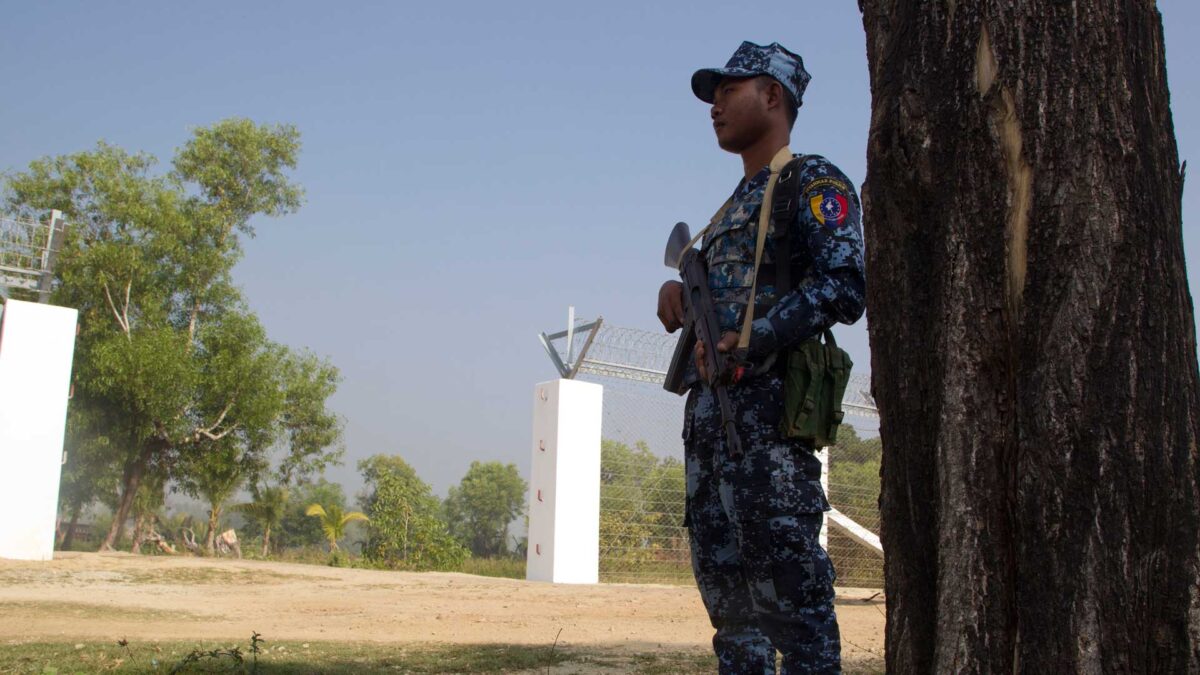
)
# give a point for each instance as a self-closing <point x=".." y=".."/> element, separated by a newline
<point x="828" y="277"/>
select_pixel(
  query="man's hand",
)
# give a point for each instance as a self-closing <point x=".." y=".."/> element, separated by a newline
<point x="670" y="305"/>
<point x="728" y="341"/>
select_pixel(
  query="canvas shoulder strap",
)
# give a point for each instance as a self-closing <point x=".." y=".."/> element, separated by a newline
<point x="783" y="212"/>
<point x="782" y="160"/>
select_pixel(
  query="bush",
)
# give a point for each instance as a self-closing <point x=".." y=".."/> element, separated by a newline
<point x="405" y="532"/>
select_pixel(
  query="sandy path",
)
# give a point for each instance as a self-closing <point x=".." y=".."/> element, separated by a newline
<point x="101" y="597"/>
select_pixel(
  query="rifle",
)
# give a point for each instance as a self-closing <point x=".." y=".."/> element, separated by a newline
<point x="700" y="323"/>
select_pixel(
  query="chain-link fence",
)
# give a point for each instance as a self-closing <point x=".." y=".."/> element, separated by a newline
<point x="642" y="538"/>
<point x="27" y="252"/>
<point x="854" y="492"/>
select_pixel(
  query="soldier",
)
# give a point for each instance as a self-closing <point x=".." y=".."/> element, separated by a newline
<point x="755" y="520"/>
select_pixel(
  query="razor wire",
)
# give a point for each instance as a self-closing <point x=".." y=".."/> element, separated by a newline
<point x="642" y="489"/>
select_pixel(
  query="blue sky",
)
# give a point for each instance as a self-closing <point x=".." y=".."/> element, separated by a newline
<point x="471" y="170"/>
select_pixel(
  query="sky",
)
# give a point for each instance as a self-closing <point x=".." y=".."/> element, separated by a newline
<point x="471" y="169"/>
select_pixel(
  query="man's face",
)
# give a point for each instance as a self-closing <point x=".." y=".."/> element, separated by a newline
<point x="739" y="113"/>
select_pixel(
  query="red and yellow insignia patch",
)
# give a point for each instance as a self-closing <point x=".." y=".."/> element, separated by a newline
<point x="829" y="208"/>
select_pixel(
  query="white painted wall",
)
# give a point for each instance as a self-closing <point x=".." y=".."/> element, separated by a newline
<point x="564" y="485"/>
<point x="37" y="343"/>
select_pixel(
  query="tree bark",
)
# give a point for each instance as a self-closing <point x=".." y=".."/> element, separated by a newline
<point x="266" y="547"/>
<point x="214" y="518"/>
<point x="69" y="536"/>
<point x="131" y="480"/>
<point x="139" y="533"/>
<point x="1033" y="340"/>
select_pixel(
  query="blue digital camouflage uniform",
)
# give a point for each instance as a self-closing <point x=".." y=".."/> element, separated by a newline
<point x="754" y="520"/>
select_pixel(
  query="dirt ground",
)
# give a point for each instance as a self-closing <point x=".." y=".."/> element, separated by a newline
<point x="89" y="596"/>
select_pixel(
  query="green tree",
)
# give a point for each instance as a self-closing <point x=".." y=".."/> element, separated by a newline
<point x="312" y="433"/>
<point x="147" y="261"/>
<point x="333" y="522"/>
<point x="147" y="505"/>
<point x="480" y="509"/>
<point x="297" y="529"/>
<point x="248" y="378"/>
<point x="854" y="477"/>
<point x="406" y="529"/>
<point x="641" y="507"/>
<point x="88" y="473"/>
<point x="266" y="510"/>
<point x="214" y="477"/>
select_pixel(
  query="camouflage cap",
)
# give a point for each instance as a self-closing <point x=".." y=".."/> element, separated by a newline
<point x="751" y="60"/>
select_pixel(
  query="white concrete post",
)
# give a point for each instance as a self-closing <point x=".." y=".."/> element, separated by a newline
<point x="823" y="455"/>
<point x="37" y="344"/>
<point x="564" y="484"/>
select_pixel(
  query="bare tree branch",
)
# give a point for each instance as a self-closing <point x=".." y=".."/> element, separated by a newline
<point x="128" y="286"/>
<point x="210" y="431"/>
<point x="124" y="324"/>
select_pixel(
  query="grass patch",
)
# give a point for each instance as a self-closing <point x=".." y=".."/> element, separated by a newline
<point x="216" y="575"/>
<point x="81" y="610"/>
<point x="672" y="573"/>
<point x="234" y="576"/>
<point x="345" y="658"/>
<point x="276" y="659"/>
<point x="508" y="568"/>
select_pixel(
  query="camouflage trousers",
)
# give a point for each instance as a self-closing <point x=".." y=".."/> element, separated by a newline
<point x="754" y="524"/>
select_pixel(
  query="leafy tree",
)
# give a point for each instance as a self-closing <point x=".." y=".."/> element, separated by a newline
<point x="147" y="504"/>
<point x="641" y="506"/>
<point x="239" y="380"/>
<point x="214" y="477"/>
<point x="167" y="355"/>
<point x="480" y="509"/>
<point x="88" y="473"/>
<point x="312" y="433"/>
<point x="299" y="530"/>
<point x="854" y="477"/>
<point x="333" y="522"/>
<point x="665" y="491"/>
<point x="406" y="529"/>
<point x="266" y="510"/>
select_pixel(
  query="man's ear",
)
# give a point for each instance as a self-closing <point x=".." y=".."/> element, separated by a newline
<point x="774" y="92"/>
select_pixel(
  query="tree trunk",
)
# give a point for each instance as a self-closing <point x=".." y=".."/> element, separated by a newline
<point x="139" y="533"/>
<point x="132" y="479"/>
<point x="1033" y="340"/>
<point x="214" y="518"/>
<point x="69" y="536"/>
<point x="266" y="549"/>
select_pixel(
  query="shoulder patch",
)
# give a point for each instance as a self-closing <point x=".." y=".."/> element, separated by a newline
<point x="829" y="207"/>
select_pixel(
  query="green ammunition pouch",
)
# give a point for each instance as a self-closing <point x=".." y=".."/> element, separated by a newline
<point x="814" y="384"/>
<point x="816" y="373"/>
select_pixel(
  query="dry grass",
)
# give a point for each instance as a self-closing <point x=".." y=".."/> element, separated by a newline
<point x="83" y="610"/>
<point x="344" y="658"/>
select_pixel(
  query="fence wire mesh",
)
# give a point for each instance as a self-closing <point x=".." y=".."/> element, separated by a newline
<point x="642" y="538"/>
<point x="27" y="251"/>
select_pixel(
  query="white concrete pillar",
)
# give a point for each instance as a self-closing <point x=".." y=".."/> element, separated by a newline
<point x="564" y="483"/>
<point x="37" y="344"/>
